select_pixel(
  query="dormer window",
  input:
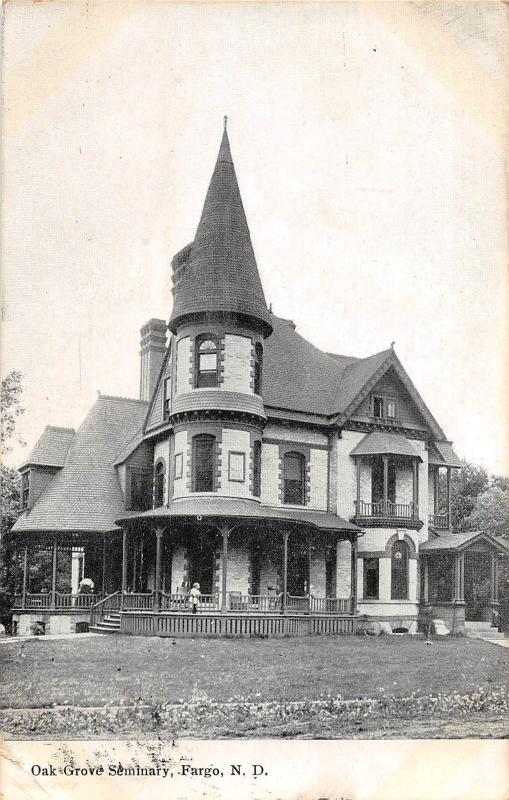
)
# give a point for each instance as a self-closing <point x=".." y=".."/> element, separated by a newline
<point x="206" y="362"/>
<point x="384" y="407"/>
<point x="25" y="489"/>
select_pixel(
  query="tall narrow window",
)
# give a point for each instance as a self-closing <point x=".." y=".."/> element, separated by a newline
<point x="25" y="489"/>
<point x="257" y="468"/>
<point x="258" y="367"/>
<point x="206" y="362"/>
<point x="371" y="578"/>
<point x="204" y="463"/>
<point x="294" y="479"/>
<point x="167" y="396"/>
<point x="159" y="480"/>
<point x="399" y="571"/>
<point x="377" y="481"/>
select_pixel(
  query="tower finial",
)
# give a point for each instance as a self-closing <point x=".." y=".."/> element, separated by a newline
<point x="225" y="121"/>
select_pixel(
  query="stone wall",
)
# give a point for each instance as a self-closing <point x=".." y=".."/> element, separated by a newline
<point x="237" y="364"/>
<point x="236" y="441"/>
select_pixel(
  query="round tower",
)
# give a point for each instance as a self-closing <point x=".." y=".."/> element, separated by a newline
<point x="219" y="323"/>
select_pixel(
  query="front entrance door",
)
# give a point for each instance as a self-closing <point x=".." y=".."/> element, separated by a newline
<point x="298" y="573"/>
<point x="477" y="585"/>
<point x="202" y="562"/>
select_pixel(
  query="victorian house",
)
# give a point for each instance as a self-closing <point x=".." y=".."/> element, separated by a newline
<point x="299" y="488"/>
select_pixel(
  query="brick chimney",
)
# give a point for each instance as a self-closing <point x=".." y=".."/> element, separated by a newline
<point x="152" y="350"/>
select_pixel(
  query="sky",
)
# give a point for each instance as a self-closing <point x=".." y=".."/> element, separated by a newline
<point x="369" y="142"/>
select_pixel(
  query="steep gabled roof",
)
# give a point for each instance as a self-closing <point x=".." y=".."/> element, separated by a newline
<point x="218" y="273"/>
<point x="51" y="448"/>
<point x="461" y="541"/>
<point x="85" y="495"/>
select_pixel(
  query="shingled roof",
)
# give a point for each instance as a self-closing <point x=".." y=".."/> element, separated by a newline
<point x="51" y="448"/>
<point x="86" y="495"/>
<point x="218" y="271"/>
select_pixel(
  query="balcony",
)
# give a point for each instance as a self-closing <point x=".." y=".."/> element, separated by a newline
<point x="439" y="521"/>
<point x="385" y="513"/>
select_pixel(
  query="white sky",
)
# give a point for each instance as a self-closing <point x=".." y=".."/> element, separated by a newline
<point x="369" y="145"/>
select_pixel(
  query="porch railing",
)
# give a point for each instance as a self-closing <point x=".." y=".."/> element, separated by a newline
<point x="134" y="601"/>
<point x="440" y="521"/>
<point x="182" y="602"/>
<point x="63" y="600"/>
<point x="254" y="603"/>
<point x="386" y="508"/>
<point x="273" y="604"/>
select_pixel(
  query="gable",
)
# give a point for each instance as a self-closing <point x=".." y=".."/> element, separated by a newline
<point x="391" y="386"/>
<point x="155" y="416"/>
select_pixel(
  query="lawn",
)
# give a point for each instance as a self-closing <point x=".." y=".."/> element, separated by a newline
<point x="120" y="669"/>
<point x="208" y="688"/>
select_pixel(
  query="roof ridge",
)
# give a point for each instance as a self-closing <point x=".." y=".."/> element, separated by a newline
<point x="122" y="399"/>
<point x="60" y="428"/>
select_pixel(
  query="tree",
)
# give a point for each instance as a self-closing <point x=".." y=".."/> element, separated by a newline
<point x="11" y="409"/>
<point x="467" y="484"/>
<point x="491" y="512"/>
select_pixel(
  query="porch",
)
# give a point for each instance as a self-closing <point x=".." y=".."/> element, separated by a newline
<point x="459" y="578"/>
<point x="268" y="572"/>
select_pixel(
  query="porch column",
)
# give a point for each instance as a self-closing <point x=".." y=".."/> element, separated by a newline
<point x="415" y="488"/>
<point x="425" y="579"/>
<point x="449" y="522"/>
<point x="494" y="580"/>
<point x="25" y="576"/>
<point x="353" y="579"/>
<point x="124" y="568"/>
<point x="358" y="466"/>
<point x="54" y="576"/>
<point x="285" y="570"/>
<point x="459" y="560"/>
<point x="385" y="460"/>
<point x="157" y="579"/>
<point x="225" y="532"/>
<point x="436" y="490"/>
<point x="103" y="582"/>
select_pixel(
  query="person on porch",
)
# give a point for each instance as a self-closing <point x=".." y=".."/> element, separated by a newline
<point x="194" y="596"/>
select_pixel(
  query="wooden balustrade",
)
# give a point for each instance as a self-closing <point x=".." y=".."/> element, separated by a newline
<point x="331" y="605"/>
<point x="134" y="601"/>
<point x="63" y="600"/>
<point x="440" y="521"/>
<point x="255" y="603"/>
<point x="386" y="508"/>
<point x="182" y="602"/>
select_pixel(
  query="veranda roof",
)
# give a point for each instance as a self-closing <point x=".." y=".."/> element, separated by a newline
<point x="382" y="443"/>
<point x="237" y="508"/>
<point x="461" y="541"/>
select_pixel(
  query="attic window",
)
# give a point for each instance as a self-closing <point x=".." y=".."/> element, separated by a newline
<point x="384" y="407"/>
<point x="25" y="489"/>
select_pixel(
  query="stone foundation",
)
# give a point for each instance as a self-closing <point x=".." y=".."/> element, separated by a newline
<point x="52" y="622"/>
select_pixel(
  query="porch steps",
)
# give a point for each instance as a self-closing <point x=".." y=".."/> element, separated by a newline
<point x="110" y="624"/>
<point x="482" y="630"/>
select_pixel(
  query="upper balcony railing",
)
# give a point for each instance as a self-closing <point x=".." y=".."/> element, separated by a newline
<point x="386" y="508"/>
<point x="439" y="521"/>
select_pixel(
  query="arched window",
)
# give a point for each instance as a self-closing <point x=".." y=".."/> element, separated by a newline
<point x="399" y="570"/>
<point x="204" y="463"/>
<point x="257" y="468"/>
<point x="258" y="368"/>
<point x="206" y="361"/>
<point x="294" y="479"/>
<point x="159" y="480"/>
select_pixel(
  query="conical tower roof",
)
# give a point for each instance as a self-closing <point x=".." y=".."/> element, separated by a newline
<point x="217" y="273"/>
